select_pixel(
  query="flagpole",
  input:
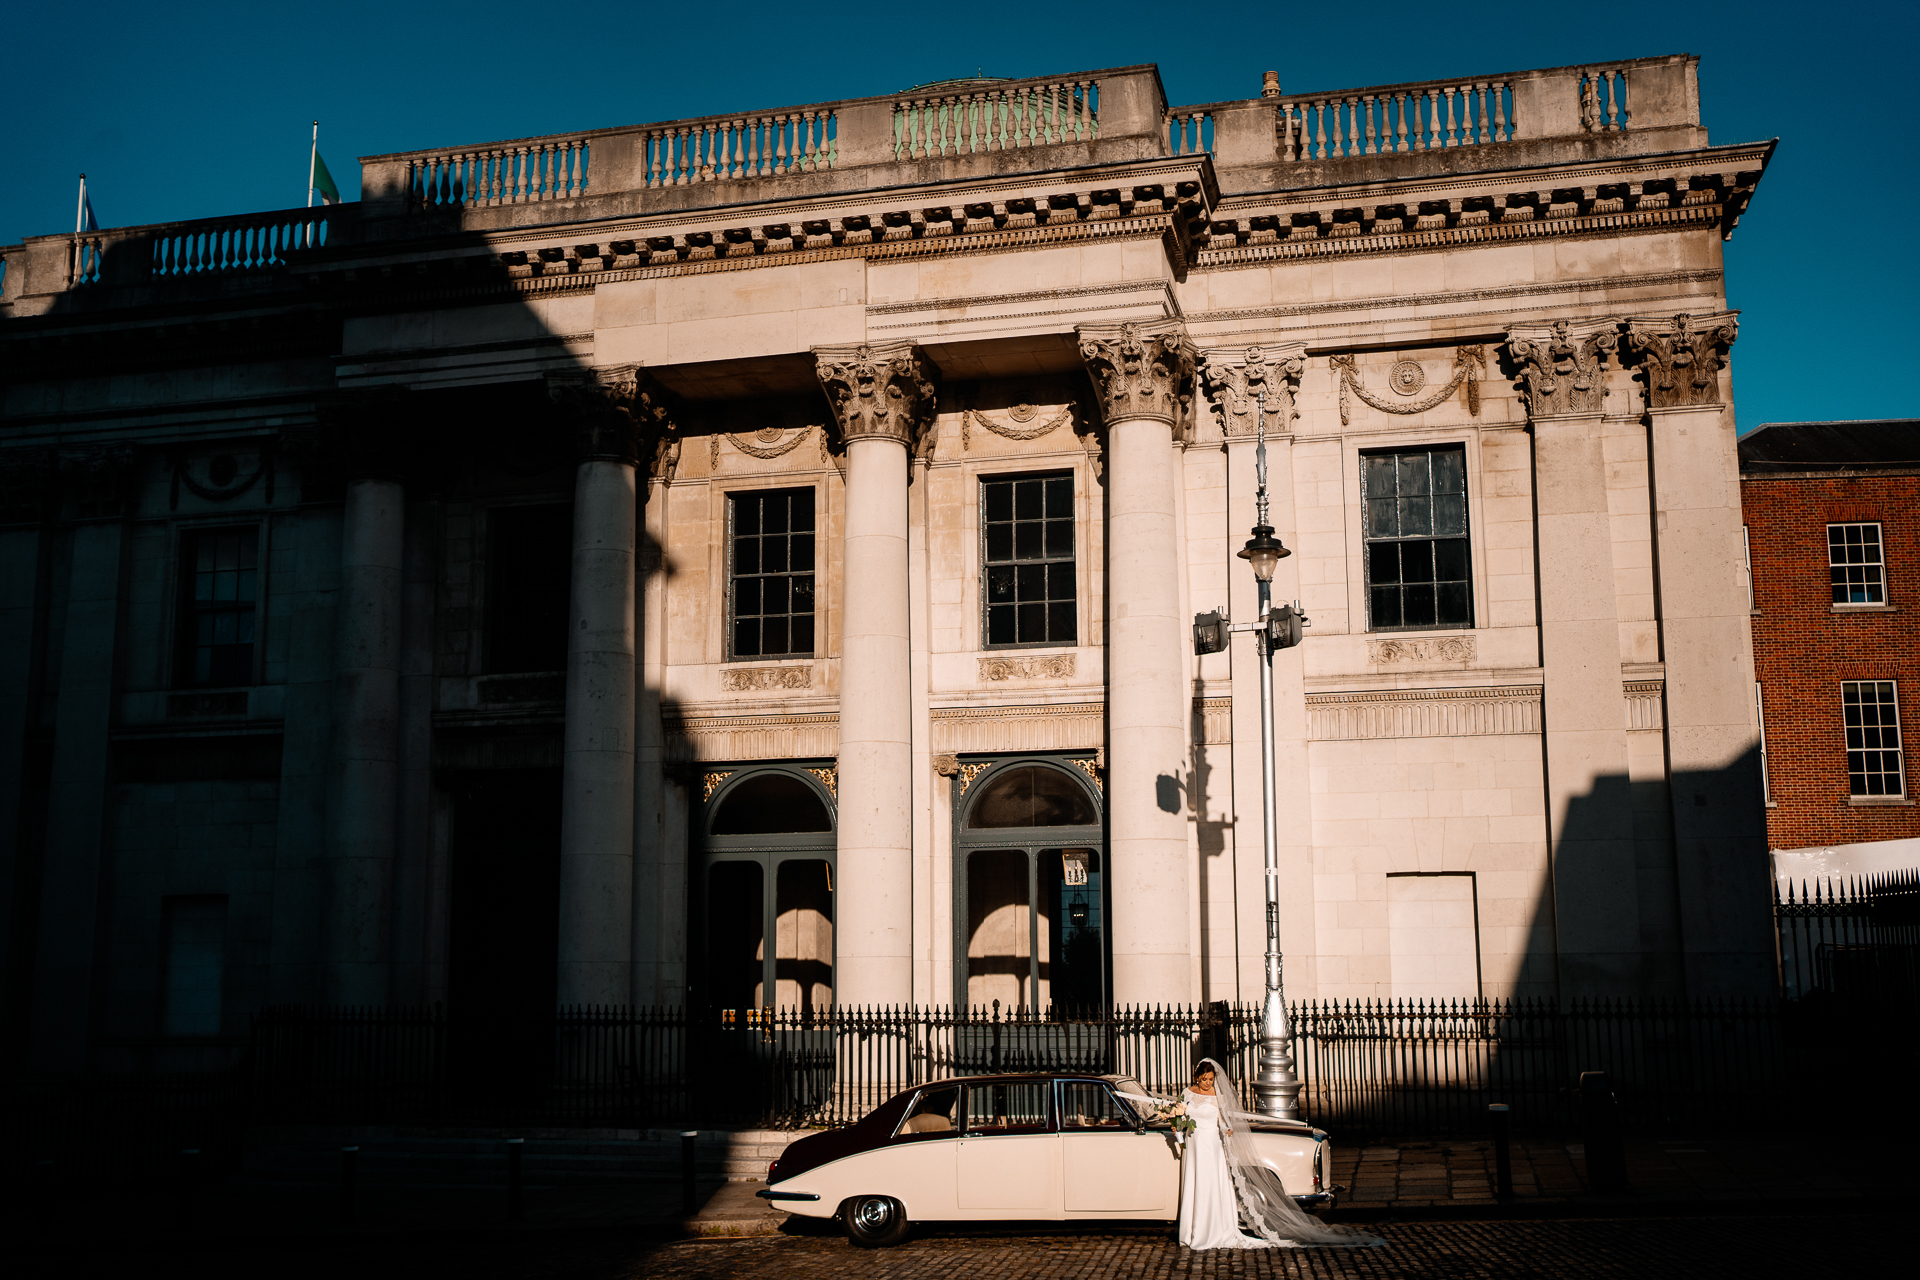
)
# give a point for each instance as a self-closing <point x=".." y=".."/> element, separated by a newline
<point x="311" y="157"/>
<point x="79" y="220"/>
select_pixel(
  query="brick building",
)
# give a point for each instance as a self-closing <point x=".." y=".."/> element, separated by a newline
<point x="1834" y="544"/>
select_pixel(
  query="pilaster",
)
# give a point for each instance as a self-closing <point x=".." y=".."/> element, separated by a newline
<point x="1706" y="643"/>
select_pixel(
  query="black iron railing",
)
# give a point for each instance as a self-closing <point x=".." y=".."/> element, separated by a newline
<point x="1850" y="936"/>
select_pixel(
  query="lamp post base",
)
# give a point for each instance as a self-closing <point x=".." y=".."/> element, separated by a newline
<point x="1276" y="1086"/>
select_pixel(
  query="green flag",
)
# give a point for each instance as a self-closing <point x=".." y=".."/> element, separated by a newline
<point x="323" y="181"/>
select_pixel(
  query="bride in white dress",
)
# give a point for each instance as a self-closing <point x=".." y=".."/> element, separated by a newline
<point x="1222" y="1182"/>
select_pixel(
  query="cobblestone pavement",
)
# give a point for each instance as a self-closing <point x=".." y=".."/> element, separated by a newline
<point x="1696" y="1248"/>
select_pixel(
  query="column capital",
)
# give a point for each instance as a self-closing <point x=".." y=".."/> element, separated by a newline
<point x="1236" y="380"/>
<point x="1681" y="356"/>
<point x="1560" y="363"/>
<point x="885" y="392"/>
<point x="616" y="413"/>
<point x="1142" y="371"/>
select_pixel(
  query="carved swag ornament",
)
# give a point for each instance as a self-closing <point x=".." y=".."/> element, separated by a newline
<point x="1467" y="365"/>
<point x="1681" y="358"/>
<point x="886" y="392"/>
<point x="1236" y="385"/>
<point x="1562" y="364"/>
<point x="1142" y="371"/>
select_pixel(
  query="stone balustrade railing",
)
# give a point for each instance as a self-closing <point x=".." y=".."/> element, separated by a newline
<point x="247" y="244"/>
<point x="762" y="144"/>
<point x="503" y="173"/>
<point x="252" y="242"/>
<point x="970" y="116"/>
<point x="1396" y="118"/>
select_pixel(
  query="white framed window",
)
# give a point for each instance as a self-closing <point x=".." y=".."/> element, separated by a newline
<point x="1872" y="713"/>
<point x="1746" y="558"/>
<point x="1856" y="564"/>
<point x="1760" y="721"/>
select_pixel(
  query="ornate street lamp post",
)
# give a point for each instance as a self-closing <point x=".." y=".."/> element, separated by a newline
<point x="1276" y="1085"/>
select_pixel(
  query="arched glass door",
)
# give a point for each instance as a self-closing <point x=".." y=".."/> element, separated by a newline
<point x="1030" y="904"/>
<point x="765" y="892"/>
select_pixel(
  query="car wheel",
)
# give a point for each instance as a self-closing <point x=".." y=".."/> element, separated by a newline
<point x="874" y="1222"/>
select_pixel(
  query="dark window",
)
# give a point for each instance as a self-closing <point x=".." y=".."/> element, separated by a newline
<point x="1855" y="563"/>
<point x="218" y="586"/>
<point x="1873" y="738"/>
<point x="1028" y="525"/>
<point x="1032" y="797"/>
<point x="532" y="561"/>
<point x="1416" y="536"/>
<point x="769" y="804"/>
<point x="772" y="532"/>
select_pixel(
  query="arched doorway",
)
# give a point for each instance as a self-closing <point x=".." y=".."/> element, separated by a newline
<point x="764" y="892"/>
<point x="1030" y="904"/>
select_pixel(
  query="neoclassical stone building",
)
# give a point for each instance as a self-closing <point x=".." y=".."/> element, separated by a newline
<point x="752" y="560"/>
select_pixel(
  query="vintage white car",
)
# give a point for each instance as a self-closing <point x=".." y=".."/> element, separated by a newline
<point x="1014" y="1147"/>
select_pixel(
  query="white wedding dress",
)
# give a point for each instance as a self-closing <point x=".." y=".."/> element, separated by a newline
<point x="1209" y="1209"/>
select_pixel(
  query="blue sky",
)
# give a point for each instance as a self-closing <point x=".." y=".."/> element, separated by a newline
<point x="194" y="110"/>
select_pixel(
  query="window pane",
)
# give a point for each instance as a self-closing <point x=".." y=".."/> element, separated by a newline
<point x="803" y="553"/>
<point x="773" y="595"/>
<point x="1415" y="470"/>
<point x="1416" y="562"/>
<point x="774" y="514"/>
<point x="803" y="593"/>
<point x="803" y="633"/>
<point x="1059" y="538"/>
<point x="773" y="555"/>
<point x="1381" y="518"/>
<point x="1450" y="560"/>
<point x="1061" y="624"/>
<point x="1060" y="581"/>
<point x="1416" y="516"/>
<point x="773" y="635"/>
<point x="746" y="515"/>
<point x="1000" y="624"/>
<point x="746" y="638"/>
<point x="1032" y="624"/>
<point x="1000" y="585"/>
<point x="1029" y="541"/>
<point x="999" y="542"/>
<point x="1032" y="582"/>
<point x="1418" y="602"/>
<point x="1386" y="607"/>
<point x="1060" y="499"/>
<point x="1381" y="475"/>
<point x="1086" y="1105"/>
<point x="1449" y="471"/>
<point x="746" y="596"/>
<point x="1029" y="500"/>
<point x="1450" y="513"/>
<point x="999" y="500"/>
<point x="1383" y="562"/>
<point x="1455" y="607"/>
<point x="746" y="555"/>
<point x="800" y="517"/>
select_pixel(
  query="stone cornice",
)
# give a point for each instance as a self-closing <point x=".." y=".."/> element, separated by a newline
<point x="1496" y="293"/>
<point x="1255" y="255"/>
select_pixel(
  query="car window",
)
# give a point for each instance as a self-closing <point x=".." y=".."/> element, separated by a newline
<point x="1132" y="1096"/>
<point x="1089" y="1104"/>
<point x="1008" y="1108"/>
<point x="932" y="1115"/>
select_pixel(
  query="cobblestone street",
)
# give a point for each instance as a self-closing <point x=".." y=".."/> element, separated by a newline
<point x="1696" y="1247"/>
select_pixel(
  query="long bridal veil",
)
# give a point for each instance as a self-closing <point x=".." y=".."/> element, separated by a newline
<point x="1264" y="1203"/>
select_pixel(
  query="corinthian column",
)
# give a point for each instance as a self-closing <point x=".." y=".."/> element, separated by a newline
<point x="1143" y="379"/>
<point x="1720" y="843"/>
<point x="597" y="782"/>
<point x="883" y="398"/>
<point x="363" y="803"/>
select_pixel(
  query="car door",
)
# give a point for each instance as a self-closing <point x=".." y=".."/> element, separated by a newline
<point x="1108" y="1167"/>
<point x="1008" y="1156"/>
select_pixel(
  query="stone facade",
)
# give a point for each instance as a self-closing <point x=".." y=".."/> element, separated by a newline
<point x="1798" y="481"/>
<point x="620" y="384"/>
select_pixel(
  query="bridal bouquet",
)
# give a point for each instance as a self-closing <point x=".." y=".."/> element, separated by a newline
<point x="1174" y="1115"/>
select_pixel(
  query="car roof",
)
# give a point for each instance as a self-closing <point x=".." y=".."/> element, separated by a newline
<point x="1024" y="1077"/>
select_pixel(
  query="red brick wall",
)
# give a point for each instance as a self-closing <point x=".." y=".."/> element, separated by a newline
<point x="1802" y="650"/>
